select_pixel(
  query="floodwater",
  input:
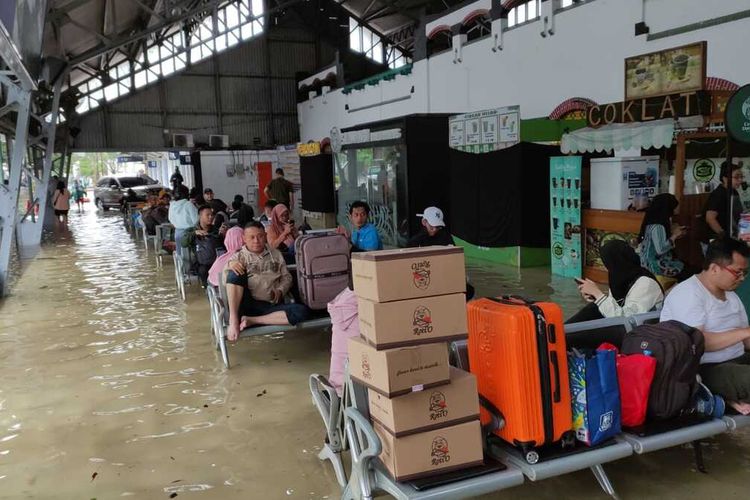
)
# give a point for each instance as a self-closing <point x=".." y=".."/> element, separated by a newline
<point x="111" y="388"/>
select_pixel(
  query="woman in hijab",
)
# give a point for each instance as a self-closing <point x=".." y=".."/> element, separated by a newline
<point x="657" y="239"/>
<point x="233" y="243"/>
<point x="281" y="231"/>
<point x="632" y="289"/>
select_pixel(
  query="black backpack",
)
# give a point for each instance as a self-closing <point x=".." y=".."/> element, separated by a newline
<point x="205" y="250"/>
<point x="678" y="349"/>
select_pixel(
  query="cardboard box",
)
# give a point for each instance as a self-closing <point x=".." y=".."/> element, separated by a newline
<point x="430" y="409"/>
<point x="399" y="371"/>
<point x="409" y="273"/>
<point x="386" y="325"/>
<point x="433" y="452"/>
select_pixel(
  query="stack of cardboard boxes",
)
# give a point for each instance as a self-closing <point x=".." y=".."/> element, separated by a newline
<point x="411" y="304"/>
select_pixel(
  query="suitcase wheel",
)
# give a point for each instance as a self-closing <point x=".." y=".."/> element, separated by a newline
<point x="531" y="457"/>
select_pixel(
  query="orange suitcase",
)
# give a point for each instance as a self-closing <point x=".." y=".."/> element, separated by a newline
<point x="517" y="352"/>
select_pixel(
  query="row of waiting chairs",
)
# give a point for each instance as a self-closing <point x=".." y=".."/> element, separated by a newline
<point x="348" y="427"/>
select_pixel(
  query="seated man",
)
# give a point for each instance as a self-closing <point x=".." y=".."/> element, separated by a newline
<point x="257" y="281"/>
<point x="365" y="235"/>
<point x="433" y="230"/>
<point x="205" y="238"/>
<point x="707" y="301"/>
<point x="156" y="213"/>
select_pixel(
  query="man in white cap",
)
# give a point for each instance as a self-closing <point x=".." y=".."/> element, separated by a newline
<point x="433" y="230"/>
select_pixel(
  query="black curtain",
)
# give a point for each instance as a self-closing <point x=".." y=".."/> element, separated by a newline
<point x="316" y="177"/>
<point x="501" y="198"/>
<point x="427" y="164"/>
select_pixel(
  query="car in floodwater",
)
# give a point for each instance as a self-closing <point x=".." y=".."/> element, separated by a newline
<point x="110" y="190"/>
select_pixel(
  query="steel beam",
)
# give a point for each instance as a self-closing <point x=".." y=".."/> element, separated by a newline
<point x="9" y="193"/>
<point x="32" y="236"/>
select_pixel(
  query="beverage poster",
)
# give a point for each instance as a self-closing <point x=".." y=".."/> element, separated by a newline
<point x="485" y="131"/>
<point x="565" y="215"/>
<point x="681" y="69"/>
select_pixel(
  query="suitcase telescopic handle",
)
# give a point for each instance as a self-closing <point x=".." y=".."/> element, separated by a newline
<point x="518" y="298"/>
<point x="556" y="371"/>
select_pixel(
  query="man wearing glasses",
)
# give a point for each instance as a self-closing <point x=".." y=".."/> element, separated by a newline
<point x="707" y="301"/>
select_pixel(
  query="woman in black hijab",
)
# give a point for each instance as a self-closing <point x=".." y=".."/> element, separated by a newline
<point x="657" y="239"/>
<point x="632" y="289"/>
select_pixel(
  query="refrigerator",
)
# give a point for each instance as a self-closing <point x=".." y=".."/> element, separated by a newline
<point x="617" y="182"/>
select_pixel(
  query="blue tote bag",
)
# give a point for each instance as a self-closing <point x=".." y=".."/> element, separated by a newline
<point x="595" y="395"/>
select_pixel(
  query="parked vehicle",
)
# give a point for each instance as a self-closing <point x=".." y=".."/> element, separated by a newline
<point x="110" y="191"/>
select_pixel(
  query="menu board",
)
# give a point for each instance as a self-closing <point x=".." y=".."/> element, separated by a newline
<point x="565" y="215"/>
<point x="484" y="131"/>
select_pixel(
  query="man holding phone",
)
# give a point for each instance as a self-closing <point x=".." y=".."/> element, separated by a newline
<point x="205" y="238"/>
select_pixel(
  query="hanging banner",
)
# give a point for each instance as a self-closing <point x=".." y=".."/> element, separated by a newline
<point x="484" y="131"/>
<point x="565" y="214"/>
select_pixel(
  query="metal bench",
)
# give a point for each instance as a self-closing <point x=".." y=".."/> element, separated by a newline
<point x="220" y="301"/>
<point x="589" y="335"/>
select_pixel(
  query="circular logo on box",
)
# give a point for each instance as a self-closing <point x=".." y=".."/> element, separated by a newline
<point x="422" y="322"/>
<point x="438" y="406"/>
<point x="421" y="274"/>
<point x="440" y="453"/>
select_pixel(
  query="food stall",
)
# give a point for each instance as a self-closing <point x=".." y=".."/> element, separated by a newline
<point x="667" y="135"/>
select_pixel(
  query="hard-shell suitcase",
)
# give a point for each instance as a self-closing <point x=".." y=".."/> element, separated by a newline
<point x="323" y="267"/>
<point x="517" y="351"/>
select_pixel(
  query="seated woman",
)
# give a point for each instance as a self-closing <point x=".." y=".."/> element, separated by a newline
<point x="632" y="289"/>
<point x="281" y="232"/>
<point x="656" y="248"/>
<point x="233" y="241"/>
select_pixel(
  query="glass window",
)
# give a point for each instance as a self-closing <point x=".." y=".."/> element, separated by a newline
<point x="531" y="6"/>
<point x="567" y="3"/>
<point x="370" y="174"/>
<point x="258" y="7"/>
<point x="130" y="182"/>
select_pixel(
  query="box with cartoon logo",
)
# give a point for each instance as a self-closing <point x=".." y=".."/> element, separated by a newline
<point x="394" y="372"/>
<point x="411" y="322"/>
<point x="433" y="408"/>
<point x="427" y="453"/>
<point x="408" y="273"/>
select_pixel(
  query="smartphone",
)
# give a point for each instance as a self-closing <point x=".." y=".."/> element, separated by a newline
<point x="578" y="281"/>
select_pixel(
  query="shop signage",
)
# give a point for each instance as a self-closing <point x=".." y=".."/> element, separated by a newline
<point x="362" y="136"/>
<point x="738" y="115"/>
<point x="704" y="170"/>
<point x="483" y="131"/>
<point x="679" y="69"/>
<point x="308" y="148"/>
<point x="650" y="108"/>
<point x="130" y="159"/>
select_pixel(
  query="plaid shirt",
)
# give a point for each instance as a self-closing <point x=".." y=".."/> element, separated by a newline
<point x="265" y="272"/>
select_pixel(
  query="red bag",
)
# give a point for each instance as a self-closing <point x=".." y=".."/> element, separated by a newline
<point x="635" y="372"/>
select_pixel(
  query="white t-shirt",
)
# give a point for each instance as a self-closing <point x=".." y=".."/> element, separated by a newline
<point x="690" y="303"/>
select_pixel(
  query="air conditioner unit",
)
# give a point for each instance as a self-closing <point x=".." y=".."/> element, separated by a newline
<point x="182" y="140"/>
<point x="218" y="141"/>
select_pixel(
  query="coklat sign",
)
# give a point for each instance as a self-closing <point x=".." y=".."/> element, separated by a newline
<point x="650" y="108"/>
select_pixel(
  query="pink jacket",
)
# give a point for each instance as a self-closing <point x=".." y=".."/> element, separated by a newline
<point x="344" y="324"/>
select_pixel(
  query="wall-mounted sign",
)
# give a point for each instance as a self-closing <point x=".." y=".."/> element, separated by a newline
<point x="308" y="148"/>
<point x="681" y="69"/>
<point x="650" y="108"/>
<point x="152" y="164"/>
<point x="362" y="136"/>
<point x="565" y="215"/>
<point x="130" y="159"/>
<point x="484" y="131"/>
<point x="704" y="170"/>
<point x="738" y="115"/>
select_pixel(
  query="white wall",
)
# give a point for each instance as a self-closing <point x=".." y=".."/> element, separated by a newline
<point x="214" y="174"/>
<point x="585" y="58"/>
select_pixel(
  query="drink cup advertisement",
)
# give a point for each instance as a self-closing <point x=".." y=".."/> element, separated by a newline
<point x="565" y="215"/>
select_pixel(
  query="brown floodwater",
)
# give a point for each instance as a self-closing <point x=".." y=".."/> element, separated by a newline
<point x="111" y="388"/>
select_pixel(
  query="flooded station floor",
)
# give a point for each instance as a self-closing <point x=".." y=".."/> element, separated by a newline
<point x="111" y="388"/>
